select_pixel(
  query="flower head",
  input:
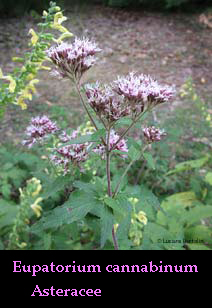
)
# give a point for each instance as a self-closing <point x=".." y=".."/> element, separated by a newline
<point x="39" y="129"/>
<point x="153" y="134"/>
<point x="142" y="91"/>
<point x="106" y="103"/>
<point x="70" y="153"/>
<point x="72" y="60"/>
<point x="114" y="137"/>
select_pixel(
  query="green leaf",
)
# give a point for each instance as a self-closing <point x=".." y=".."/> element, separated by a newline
<point x="149" y="159"/>
<point x="115" y="205"/>
<point x="197" y="247"/>
<point x="47" y="240"/>
<point x="136" y="143"/>
<point x="123" y="121"/>
<point x="106" y="223"/>
<point x="160" y="235"/>
<point x="208" y="178"/>
<point x="197" y="213"/>
<point x="134" y="153"/>
<point x="188" y="165"/>
<point x="57" y="185"/>
<point x="8" y="212"/>
<point x="185" y="199"/>
<point x="200" y="233"/>
<point x="6" y="190"/>
<point x="122" y="233"/>
<point x="89" y="187"/>
<point x="175" y="208"/>
<point x="75" y="209"/>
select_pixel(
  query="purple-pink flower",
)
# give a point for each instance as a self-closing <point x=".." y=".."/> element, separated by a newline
<point x="70" y="153"/>
<point x="142" y="91"/>
<point x="106" y="103"/>
<point x="39" y="128"/>
<point x="72" y="60"/>
<point x="114" y="137"/>
<point x="153" y="134"/>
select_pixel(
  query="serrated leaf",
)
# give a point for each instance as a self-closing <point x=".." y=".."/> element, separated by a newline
<point x="76" y="208"/>
<point x="150" y="162"/>
<point x="115" y="205"/>
<point x="89" y="187"/>
<point x="57" y="185"/>
<point x="106" y="224"/>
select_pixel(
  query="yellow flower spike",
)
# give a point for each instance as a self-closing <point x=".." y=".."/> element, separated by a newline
<point x="26" y="94"/>
<point x="116" y="227"/>
<point x="30" y="85"/>
<point x="208" y="118"/>
<point x="21" y="103"/>
<point x="37" y="208"/>
<point x="26" y="221"/>
<point x="23" y="69"/>
<point x="63" y="36"/>
<point x="30" y="76"/>
<point x="21" y="192"/>
<point x="194" y="97"/>
<point x="46" y="68"/>
<point x="38" y="188"/>
<point x="12" y="81"/>
<point x="58" y="27"/>
<point x="12" y="84"/>
<point x="23" y="245"/>
<point x="141" y="216"/>
<point x="34" y="37"/>
<point x="57" y="8"/>
<point x="59" y="18"/>
<point x="134" y="201"/>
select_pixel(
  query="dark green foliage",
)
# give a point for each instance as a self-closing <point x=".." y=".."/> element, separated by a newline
<point x="156" y="4"/>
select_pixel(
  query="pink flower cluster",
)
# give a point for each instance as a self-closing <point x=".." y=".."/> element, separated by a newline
<point x="128" y="95"/>
<point x="71" y="153"/>
<point x="142" y="90"/>
<point x="153" y="134"/>
<point x="39" y="128"/>
<point x="72" y="60"/>
<point x="114" y="137"/>
<point x="105" y="103"/>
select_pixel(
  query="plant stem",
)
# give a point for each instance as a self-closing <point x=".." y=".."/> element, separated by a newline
<point x="129" y="127"/>
<point x="108" y="155"/>
<point x="125" y="172"/>
<point x="86" y="109"/>
<point x="121" y="178"/>
<point x="84" y="105"/>
<point x="114" y="239"/>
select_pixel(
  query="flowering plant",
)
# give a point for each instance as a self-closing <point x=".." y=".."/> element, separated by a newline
<point x="130" y="96"/>
<point x="23" y="79"/>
